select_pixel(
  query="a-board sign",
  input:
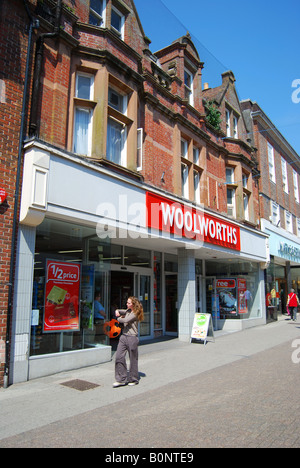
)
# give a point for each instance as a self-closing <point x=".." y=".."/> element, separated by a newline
<point x="201" y="327"/>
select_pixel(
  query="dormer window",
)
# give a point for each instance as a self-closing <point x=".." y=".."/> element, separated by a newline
<point x="188" y="85"/>
<point x="97" y="12"/>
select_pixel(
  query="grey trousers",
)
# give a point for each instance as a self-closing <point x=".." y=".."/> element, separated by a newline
<point x="127" y="344"/>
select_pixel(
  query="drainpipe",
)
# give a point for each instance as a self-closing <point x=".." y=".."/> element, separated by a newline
<point x="34" y="124"/>
<point x="33" y="25"/>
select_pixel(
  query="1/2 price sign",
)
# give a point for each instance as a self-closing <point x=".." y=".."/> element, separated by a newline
<point x="62" y="297"/>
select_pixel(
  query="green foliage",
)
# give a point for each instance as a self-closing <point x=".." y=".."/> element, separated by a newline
<point x="213" y="115"/>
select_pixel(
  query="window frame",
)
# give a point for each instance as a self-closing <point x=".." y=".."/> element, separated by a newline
<point x="82" y="104"/>
<point x="275" y="213"/>
<point x="289" y="222"/>
<point x="235" y="127"/>
<point x="122" y="157"/>
<point x="296" y="186"/>
<point x="271" y="163"/>
<point x="100" y="16"/>
<point x="197" y="192"/>
<point x="285" y="182"/>
<point x="117" y="115"/>
<point x="119" y="32"/>
<point x="185" y="180"/>
<point x="231" y="206"/>
<point x="189" y="88"/>
<point x="228" y="122"/>
<point x="89" y="111"/>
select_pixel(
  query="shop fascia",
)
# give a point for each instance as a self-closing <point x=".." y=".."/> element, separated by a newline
<point x="287" y="250"/>
<point x="161" y="214"/>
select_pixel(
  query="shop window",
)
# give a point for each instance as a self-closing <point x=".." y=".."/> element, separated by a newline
<point x="237" y="289"/>
<point x="104" y="253"/>
<point x="63" y="309"/>
<point x="137" y="257"/>
<point x="97" y="12"/>
<point x="157" y="287"/>
<point x="275" y="290"/>
<point x="171" y="263"/>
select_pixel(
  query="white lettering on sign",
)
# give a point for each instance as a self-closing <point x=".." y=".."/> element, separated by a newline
<point x="178" y="217"/>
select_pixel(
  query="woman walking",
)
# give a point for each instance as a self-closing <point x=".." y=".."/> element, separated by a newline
<point x="292" y="304"/>
<point x="128" y="342"/>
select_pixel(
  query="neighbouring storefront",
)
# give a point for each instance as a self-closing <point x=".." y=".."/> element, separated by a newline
<point x="283" y="272"/>
<point x="90" y="238"/>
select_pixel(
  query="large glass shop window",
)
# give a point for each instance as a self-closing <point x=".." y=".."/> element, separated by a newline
<point x="236" y="289"/>
<point x="70" y="301"/>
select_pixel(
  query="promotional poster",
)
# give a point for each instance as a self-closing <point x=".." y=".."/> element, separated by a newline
<point x="62" y="297"/>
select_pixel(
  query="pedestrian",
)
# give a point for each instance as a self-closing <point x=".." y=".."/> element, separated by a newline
<point x="292" y="304"/>
<point x="128" y="342"/>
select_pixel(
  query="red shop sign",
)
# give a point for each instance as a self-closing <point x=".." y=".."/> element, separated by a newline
<point x="183" y="221"/>
<point x="3" y="195"/>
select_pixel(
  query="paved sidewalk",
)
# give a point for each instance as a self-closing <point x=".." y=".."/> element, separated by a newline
<point x="48" y="406"/>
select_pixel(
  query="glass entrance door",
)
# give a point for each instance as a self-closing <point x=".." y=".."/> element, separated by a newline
<point x="211" y="300"/>
<point x="171" y="304"/>
<point x="143" y="292"/>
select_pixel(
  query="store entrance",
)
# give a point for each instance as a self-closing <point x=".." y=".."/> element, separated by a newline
<point x="171" y="304"/>
<point x="211" y="300"/>
<point x="122" y="287"/>
<point x="125" y="284"/>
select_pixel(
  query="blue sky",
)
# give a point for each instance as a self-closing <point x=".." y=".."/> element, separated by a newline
<point x="258" y="40"/>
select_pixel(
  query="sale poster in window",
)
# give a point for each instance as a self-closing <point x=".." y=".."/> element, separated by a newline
<point x="62" y="297"/>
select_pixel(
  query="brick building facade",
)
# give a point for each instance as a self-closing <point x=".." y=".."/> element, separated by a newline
<point x="279" y="206"/>
<point x="15" y="37"/>
<point x="114" y="133"/>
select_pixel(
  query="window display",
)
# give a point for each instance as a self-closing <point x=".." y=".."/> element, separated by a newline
<point x="66" y="289"/>
<point x="236" y="289"/>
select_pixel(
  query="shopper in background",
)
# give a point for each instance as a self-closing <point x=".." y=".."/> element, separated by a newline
<point x="292" y="304"/>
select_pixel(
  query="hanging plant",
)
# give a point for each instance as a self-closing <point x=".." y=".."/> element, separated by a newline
<point x="213" y="115"/>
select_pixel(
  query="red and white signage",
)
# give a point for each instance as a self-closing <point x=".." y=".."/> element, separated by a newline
<point x="3" y="195"/>
<point x="183" y="221"/>
<point x="62" y="297"/>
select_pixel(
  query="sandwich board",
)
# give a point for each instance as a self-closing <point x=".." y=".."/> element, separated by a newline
<point x="202" y="328"/>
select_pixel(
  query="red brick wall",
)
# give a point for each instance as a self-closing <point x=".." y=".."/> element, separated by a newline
<point x="13" y="49"/>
